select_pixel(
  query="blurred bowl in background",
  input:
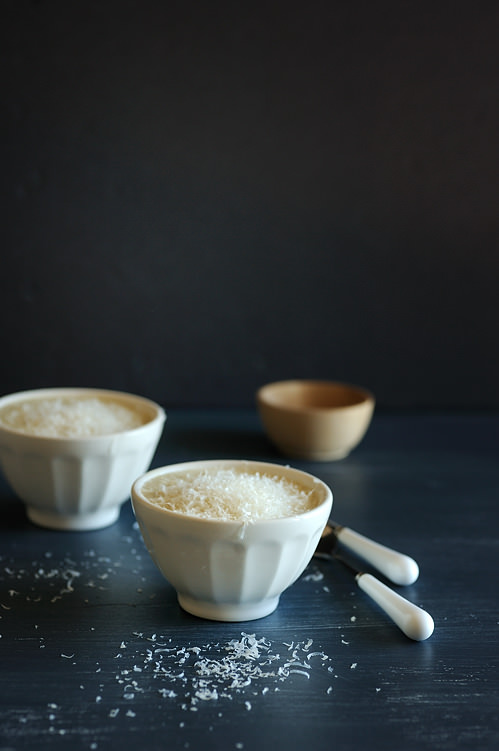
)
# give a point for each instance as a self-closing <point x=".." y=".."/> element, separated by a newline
<point x="315" y="420"/>
<point x="71" y="454"/>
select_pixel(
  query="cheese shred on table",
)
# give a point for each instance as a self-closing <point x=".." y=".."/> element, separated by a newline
<point x="69" y="417"/>
<point x="228" y="495"/>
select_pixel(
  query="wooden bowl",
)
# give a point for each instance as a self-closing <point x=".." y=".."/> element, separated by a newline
<point x="315" y="420"/>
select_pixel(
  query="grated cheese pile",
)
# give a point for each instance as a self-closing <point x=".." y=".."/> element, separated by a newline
<point x="228" y="495"/>
<point x="69" y="417"/>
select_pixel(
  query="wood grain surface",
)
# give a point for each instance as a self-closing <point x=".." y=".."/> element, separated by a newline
<point x="95" y="652"/>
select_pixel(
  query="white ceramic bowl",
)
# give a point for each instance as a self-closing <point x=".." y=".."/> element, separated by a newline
<point x="78" y="483"/>
<point x="224" y="570"/>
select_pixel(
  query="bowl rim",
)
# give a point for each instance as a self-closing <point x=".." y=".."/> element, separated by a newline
<point x="138" y="497"/>
<point x="265" y="395"/>
<point x="159" y="414"/>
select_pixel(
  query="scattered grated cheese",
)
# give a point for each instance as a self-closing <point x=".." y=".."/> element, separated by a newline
<point x="245" y="669"/>
<point x="69" y="417"/>
<point x="315" y="576"/>
<point x="228" y="494"/>
<point x="193" y="675"/>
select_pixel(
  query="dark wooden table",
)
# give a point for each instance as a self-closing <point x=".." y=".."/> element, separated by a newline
<point x="96" y="654"/>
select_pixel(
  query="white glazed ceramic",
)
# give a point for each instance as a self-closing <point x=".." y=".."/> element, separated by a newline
<point x="78" y="483"/>
<point x="224" y="570"/>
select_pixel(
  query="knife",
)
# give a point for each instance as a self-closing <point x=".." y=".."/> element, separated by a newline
<point x="412" y="620"/>
<point x="399" y="568"/>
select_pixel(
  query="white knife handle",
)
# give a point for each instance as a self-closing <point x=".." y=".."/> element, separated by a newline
<point x="399" y="568"/>
<point x="416" y="623"/>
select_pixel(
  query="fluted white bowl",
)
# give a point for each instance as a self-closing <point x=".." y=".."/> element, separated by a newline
<point x="78" y="483"/>
<point x="227" y="570"/>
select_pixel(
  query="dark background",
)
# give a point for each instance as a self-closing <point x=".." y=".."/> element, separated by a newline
<point x="198" y="198"/>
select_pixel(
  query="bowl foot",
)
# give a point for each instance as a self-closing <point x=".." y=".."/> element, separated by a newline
<point x="224" y="611"/>
<point x="76" y="522"/>
<point x="313" y="456"/>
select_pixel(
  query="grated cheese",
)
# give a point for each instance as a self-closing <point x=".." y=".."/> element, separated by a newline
<point x="218" y="671"/>
<point x="69" y="417"/>
<point x="228" y="495"/>
<point x="247" y="669"/>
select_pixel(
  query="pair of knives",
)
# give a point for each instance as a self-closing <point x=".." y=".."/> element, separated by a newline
<point x="412" y="620"/>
